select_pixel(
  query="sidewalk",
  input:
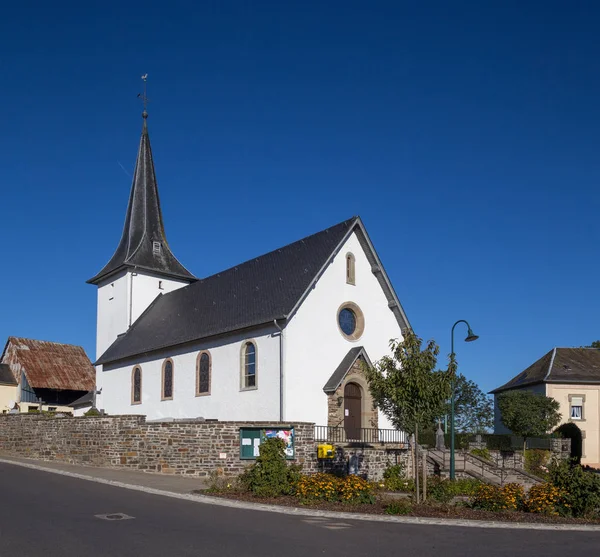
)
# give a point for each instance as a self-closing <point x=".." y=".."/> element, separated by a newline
<point x="164" y="482"/>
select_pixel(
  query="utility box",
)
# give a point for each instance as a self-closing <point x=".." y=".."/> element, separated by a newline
<point x="325" y="451"/>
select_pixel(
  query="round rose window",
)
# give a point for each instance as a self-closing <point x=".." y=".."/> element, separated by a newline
<point x="347" y="320"/>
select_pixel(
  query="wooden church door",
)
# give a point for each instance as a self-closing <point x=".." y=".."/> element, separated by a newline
<point x="352" y="411"/>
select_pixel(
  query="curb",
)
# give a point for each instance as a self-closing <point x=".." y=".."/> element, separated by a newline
<point x="207" y="500"/>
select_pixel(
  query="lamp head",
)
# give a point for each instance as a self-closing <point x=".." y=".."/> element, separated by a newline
<point x="471" y="336"/>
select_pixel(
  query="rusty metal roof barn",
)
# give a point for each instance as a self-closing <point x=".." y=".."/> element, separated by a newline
<point x="49" y="365"/>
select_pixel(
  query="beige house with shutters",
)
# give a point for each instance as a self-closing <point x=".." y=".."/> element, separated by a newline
<point x="571" y="376"/>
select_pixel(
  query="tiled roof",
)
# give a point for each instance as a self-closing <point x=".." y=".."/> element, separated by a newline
<point x="248" y="295"/>
<point x="560" y="365"/>
<point x="144" y="226"/>
<point x="50" y="365"/>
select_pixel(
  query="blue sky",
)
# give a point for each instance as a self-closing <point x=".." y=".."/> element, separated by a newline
<point x="465" y="134"/>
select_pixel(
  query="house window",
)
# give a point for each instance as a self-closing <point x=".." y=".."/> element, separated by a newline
<point x="576" y="403"/>
<point x="167" y="380"/>
<point x="350" y="269"/>
<point x="136" y="385"/>
<point x="203" y="374"/>
<point x="249" y="366"/>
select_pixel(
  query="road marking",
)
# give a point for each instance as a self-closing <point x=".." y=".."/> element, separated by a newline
<point x="114" y="516"/>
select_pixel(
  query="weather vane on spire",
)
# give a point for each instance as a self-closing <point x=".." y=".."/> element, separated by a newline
<point x="144" y="97"/>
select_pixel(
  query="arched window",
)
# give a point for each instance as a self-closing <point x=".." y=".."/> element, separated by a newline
<point x="203" y="369"/>
<point x="167" y="380"/>
<point x="350" y="269"/>
<point x="136" y="385"/>
<point x="249" y="366"/>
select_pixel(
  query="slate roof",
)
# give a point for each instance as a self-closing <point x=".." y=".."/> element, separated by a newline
<point x="6" y="375"/>
<point x="86" y="400"/>
<point x="253" y="293"/>
<point x="560" y="365"/>
<point x="345" y="365"/>
<point x="144" y="225"/>
<point x="50" y="365"/>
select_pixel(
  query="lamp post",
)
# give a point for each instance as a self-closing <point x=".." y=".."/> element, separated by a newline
<point x="471" y="336"/>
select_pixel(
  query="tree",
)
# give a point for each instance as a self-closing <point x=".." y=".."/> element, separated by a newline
<point x="595" y="344"/>
<point x="473" y="409"/>
<point x="528" y="414"/>
<point x="405" y="386"/>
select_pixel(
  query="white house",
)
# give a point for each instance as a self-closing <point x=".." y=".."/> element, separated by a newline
<point x="279" y="337"/>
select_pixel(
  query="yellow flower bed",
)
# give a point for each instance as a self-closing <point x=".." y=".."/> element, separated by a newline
<point x="494" y="498"/>
<point x="543" y="498"/>
<point x="326" y="487"/>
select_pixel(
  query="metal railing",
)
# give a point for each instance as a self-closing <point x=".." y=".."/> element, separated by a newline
<point x="331" y="434"/>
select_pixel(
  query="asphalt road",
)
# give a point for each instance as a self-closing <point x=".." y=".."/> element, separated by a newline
<point x="48" y="515"/>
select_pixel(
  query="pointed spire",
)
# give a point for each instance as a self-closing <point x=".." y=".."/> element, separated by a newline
<point x="143" y="244"/>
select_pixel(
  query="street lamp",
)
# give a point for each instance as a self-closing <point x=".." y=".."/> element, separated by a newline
<point x="471" y="336"/>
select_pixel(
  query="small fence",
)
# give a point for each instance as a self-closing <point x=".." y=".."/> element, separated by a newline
<point x="363" y="435"/>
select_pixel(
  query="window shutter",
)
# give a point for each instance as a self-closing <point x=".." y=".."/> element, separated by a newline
<point x="577" y="401"/>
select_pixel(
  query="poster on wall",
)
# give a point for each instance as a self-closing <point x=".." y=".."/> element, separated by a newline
<point x="251" y="438"/>
<point x="288" y="438"/>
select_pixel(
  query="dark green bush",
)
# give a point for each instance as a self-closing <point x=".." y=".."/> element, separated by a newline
<point x="444" y="491"/>
<point x="270" y="475"/>
<point x="482" y="453"/>
<point x="401" y="506"/>
<point x="536" y="462"/>
<point x="581" y="489"/>
<point x="498" y="442"/>
<point x="93" y="412"/>
<point x="394" y="479"/>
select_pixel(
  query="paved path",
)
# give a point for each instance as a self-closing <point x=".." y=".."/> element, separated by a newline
<point x="50" y="515"/>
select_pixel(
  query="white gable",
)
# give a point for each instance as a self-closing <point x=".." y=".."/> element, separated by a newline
<point x="314" y="344"/>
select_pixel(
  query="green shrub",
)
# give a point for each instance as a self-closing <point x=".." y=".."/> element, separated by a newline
<point x="444" y="491"/>
<point x="92" y="413"/>
<point x="270" y="476"/>
<point x="536" y="462"/>
<point x="440" y="490"/>
<point x="394" y="479"/>
<point x="482" y="453"/>
<point x="580" y="489"/>
<point x="401" y="506"/>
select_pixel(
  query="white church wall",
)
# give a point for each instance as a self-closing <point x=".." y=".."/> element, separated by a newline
<point x="227" y="400"/>
<point x="314" y="345"/>
<point x="122" y="299"/>
<point x="112" y="320"/>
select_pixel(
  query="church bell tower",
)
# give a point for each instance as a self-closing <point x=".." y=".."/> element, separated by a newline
<point x="143" y="266"/>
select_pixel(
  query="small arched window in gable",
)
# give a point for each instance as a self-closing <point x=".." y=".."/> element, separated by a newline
<point x="203" y="377"/>
<point x="136" y="385"/>
<point x="167" y="380"/>
<point x="249" y="366"/>
<point x="350" y="269"/>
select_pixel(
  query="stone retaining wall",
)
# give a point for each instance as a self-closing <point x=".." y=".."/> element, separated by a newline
<point x="189" y="448"/>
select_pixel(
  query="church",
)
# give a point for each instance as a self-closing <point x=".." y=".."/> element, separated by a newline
<point x="281" y="337"/>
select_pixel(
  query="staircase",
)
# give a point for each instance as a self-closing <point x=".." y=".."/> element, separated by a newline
<point x="479" y="468"/>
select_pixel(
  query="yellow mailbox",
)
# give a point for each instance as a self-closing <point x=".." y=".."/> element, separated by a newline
<point x="326" y="451"/>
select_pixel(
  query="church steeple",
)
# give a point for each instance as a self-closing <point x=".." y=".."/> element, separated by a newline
<point x="143" y="244"/>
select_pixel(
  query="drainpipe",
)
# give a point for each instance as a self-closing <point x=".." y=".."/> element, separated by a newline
<point x="280" y="369"/>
